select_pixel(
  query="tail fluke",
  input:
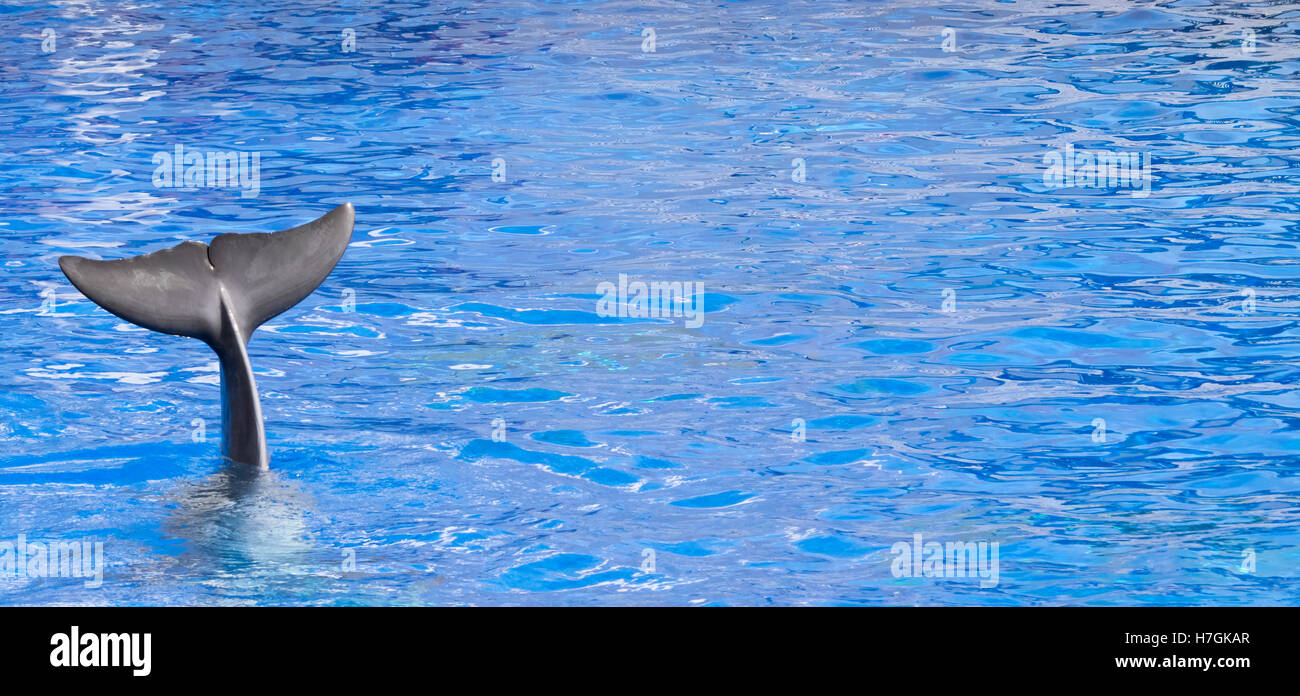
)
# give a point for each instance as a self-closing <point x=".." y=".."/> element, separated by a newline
<point x="180" y="290"/>
<point x="172" y="291"/>
<point x="266" y="274"/>
<point x="220" y="294"/>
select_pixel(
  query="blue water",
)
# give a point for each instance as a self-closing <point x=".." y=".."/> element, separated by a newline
<point x="644" y="461"/>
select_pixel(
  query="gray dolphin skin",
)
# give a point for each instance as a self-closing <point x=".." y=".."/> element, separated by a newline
<point x="220" y="293"/>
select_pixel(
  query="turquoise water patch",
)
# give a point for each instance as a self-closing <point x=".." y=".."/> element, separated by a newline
<point x="846" y="422"/>
<point x="839" y="457"/>
<point x="741" y="402"/>
<point x="520" y="229"/>
<point x="895" y="346"/>
<point x="885" y="387"/>
<point x="837" y="546"/>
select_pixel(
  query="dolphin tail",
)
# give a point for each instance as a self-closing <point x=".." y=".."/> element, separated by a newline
<point x="220" y="293"/>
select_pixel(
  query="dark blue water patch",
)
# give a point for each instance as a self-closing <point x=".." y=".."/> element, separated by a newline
<point x="377" y="309"/>
<point x="546" y="317"/>
<point x="821" y="460"/>
<point x="834" y="545"/>
<point x="606" y="476"/>
<point x="716" y="302"/>
<point x="566" y="464"/>
<point x="1083" y="339"/>
<point x="693" y="549"/>
<point x="563" y="571"/>
<point x="492" y="395"/>
<point x="645" y="462"/>
<point x="567" y="438"/>
<point x="1142" y="20"/>
<point x="111" y="465"/>
<point x="674" y="397"/>
<point x="714" y="500"/>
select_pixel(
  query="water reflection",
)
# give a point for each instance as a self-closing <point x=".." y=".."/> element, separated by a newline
<point x="243" y="521"/>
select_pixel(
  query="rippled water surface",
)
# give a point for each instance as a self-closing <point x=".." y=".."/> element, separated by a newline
<point x="944" y="329"/>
